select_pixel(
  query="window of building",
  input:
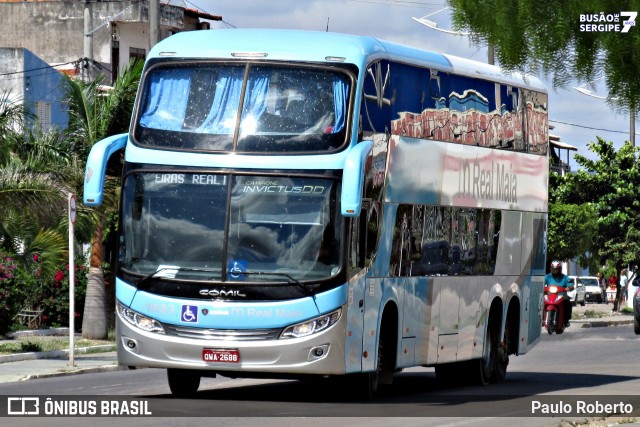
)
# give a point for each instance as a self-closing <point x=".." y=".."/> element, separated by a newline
<point x="136" y="53"/>
<point x="43" y="112"/>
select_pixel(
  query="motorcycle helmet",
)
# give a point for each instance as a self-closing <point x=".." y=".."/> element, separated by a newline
<point x="556" y="264"/>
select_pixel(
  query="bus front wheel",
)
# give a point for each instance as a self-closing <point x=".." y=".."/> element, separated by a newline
<point x="183" y="382"/>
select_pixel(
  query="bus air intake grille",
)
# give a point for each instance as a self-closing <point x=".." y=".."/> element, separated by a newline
<point x="223" y="334"/>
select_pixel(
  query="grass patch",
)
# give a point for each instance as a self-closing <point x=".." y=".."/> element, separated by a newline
<point x="37" y="344"/>
<point x="591" y="314"/>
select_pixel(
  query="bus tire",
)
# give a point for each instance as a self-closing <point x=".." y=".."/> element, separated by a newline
<point x="383" y="375"/>
<point x="502" y="355"/>
<point x="488" y="363"/>
<point x="183" y="382"/>
<point x="372" y="379"/>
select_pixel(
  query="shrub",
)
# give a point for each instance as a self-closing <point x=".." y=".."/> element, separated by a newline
<point x="11" y="296"/>
<point x="52" y="295"/>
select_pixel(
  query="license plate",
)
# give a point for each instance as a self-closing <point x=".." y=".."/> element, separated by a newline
<point x="220" y="355"/>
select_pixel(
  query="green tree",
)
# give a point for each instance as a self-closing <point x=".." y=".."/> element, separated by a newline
<point x="94" y="115"/>
<point x="608" y="185"/>
<point x="545" y="37"/>
<point x="32" y="188"/>
<point x="571" y="231"/>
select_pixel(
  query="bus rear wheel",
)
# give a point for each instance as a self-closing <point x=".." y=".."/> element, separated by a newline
<point x="495" y="356"/>
<point x="183" y="382"/>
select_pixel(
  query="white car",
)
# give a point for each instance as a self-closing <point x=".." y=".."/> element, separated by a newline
<point x="578" y="294"/>
<point x="593" y="291"/>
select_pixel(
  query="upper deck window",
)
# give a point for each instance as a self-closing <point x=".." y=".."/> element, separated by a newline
<point x="248" y="108"/>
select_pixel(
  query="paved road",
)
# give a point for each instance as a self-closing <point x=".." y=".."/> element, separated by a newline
<point x="589" y="362"/>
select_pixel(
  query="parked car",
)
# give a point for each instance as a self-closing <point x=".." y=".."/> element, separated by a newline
<point x="636" y="312"/>
<point x="578" y="293"/>
<point x="592" y="289"/>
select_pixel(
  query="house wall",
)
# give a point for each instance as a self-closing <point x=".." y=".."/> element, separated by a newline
<point x="40" y="32"/>
<point x="11" y="80"/>
<point x="45" y="85"/>
<point x="29" y="80"/>
<point x="54" y="30"/>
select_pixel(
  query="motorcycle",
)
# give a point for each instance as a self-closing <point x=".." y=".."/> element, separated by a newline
<point x="553" y="318"/>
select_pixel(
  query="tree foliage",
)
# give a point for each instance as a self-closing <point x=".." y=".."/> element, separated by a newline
<point x="38" y="169"/>
<point x="545" y="37"/>
<point x="608" y="186"/>
<point x="571" y="231"/>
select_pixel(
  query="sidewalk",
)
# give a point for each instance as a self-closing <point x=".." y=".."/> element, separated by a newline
<point x="600" y="315"/>
<point x="26" y="366"/>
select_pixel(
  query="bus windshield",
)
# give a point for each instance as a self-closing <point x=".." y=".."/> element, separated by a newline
<point x="226" y="227"/>
<point x="248" y="108"/>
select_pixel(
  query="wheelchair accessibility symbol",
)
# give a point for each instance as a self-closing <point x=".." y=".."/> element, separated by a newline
<point x="189" y="313"/>
<point x="236" y="268"/>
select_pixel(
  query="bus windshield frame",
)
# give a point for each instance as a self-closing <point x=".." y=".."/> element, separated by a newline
<point x="244" y="107"/>
<point x="222" y="227"/>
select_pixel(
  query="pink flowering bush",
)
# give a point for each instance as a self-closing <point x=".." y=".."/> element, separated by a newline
<point x="9" y="296"/>
<point x="51" y="294"/>
<point x="25" y="285"/>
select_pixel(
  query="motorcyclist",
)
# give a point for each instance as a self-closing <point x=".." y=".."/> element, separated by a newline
<point x="557" y="278"/>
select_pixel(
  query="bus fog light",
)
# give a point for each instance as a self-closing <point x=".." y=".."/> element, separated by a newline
<point x="130" y="344"/>
<point x="319" y="352"/>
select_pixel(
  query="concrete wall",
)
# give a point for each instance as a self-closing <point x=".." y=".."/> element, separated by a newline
<point x="30" y="80"/>
<point x="54" y="30"/>
<point x="11" y="80"/>
<point x="44" y="85"/>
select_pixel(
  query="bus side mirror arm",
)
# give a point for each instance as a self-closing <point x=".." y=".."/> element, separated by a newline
<point x="97" y="165"/>
<point x="353" y="178"/>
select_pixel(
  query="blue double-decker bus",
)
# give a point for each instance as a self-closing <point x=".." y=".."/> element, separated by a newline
<point x="302" y="203"/>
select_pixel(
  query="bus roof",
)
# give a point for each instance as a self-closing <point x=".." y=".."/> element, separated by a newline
<point x="318" y="47"/>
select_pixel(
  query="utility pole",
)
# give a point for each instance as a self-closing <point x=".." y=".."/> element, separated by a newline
<point x="491" y="54"/>
<point x="88" y="43"/>
<point x="632" y="126"/>
<point x="154" y="22"/>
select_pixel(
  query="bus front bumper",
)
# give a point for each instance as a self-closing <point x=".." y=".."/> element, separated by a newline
<point x="321" y="353"/>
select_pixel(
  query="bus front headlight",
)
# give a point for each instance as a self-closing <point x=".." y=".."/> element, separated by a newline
<point x="138" y="320"/>
<point x="312" y="326"/>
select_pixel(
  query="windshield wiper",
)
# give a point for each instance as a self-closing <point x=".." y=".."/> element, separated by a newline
<point x="141" y="283"/>
<point x="274" y="273"/>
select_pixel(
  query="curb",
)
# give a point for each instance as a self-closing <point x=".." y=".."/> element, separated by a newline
<point x="606" y="323"/>
<point x="96" y="370"/>
<point x="55" y="354"/>
<point x="40" y="332"/>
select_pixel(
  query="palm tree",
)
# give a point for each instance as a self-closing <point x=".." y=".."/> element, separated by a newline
<point x="32" y="189"/>
<point x="94" y="115"/>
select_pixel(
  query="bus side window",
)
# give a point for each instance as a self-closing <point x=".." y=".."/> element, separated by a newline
<point x="364" y="235"/>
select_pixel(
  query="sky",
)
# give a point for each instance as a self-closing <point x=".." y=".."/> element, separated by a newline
<point x="577" y="118"/>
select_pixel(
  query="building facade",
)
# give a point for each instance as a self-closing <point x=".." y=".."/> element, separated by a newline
<point x="28" y="80"/>
<point x="42" y="38"/>
<point x="108" y="32"/>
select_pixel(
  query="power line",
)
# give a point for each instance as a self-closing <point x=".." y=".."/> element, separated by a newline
<point x="36" y="69"/>
<point x="589" y="127"/>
